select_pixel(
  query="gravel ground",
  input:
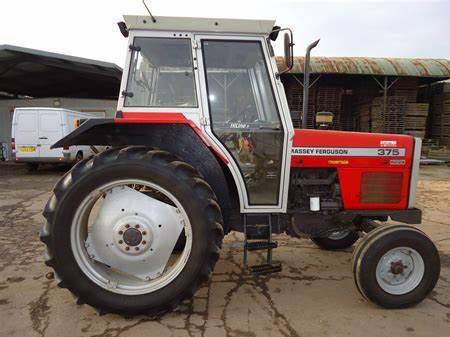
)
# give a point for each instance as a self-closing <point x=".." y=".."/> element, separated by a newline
<point x="313" y="296"/>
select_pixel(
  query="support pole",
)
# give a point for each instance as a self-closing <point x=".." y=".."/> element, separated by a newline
<point x="385" y="89"/>
<point x="306" y="83"/>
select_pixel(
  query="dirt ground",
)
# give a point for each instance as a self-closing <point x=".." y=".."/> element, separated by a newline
<point x="314" y="295"/>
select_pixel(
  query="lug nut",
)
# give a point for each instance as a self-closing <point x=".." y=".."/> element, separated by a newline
<point x="144" y="242"/>
<point x="136" y="248"/>
<point x="120" y="232"/>
<point x="127" y="226"/>
<point x="127" y="248"/>
<point x="144" y="233"/>
<point x="137" y="226"/>
<point x="120" y="241"/>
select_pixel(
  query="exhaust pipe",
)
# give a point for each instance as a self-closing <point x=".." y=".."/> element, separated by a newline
<point x="306" y="83"/>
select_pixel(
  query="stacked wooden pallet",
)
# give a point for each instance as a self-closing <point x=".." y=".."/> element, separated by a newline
<point x="441" y="153"/>
<point x="440" y="112"/>
<point x="363" y="112"/>
<point x="415" y="119"/>
<point x="388" y="119"/>
<point x="407" y="88"/>
<point x="295" y="102"/>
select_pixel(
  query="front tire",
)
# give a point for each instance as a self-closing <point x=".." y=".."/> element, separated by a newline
<point x="174" y="184"/>
<point x="396" y="266"/>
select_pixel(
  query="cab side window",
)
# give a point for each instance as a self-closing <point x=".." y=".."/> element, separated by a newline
<point x="161" y="74"/>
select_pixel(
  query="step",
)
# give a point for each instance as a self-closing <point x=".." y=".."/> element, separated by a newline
<point x="261" y="245"/>
<point x="261" y="269"/>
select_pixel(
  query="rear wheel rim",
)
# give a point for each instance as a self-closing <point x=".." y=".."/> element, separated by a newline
<point x="400" y="270"/>
<point x="108" y="278"/>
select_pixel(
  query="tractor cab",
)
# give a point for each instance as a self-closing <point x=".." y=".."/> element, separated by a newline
<point x="221" y="74"/>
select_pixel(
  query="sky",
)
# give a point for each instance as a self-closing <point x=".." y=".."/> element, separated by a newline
<point x="88" y="28"/>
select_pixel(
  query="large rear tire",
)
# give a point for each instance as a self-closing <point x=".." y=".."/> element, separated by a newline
<point x="396" y="266"/>
<point x="110" y="178"/>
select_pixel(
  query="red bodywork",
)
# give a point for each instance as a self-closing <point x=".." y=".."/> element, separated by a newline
<point x="352" y="168"/>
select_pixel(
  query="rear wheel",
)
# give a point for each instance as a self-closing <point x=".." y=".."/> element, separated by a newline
<point x="396" y="266"/>
<point x="115" y="249"/>
<point x="337" y="240"/>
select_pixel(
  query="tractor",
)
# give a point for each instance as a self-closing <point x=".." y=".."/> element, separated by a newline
<point x="202" y="144"/>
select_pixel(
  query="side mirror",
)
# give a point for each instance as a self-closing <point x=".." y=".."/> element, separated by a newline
<point x="288" y="51"/>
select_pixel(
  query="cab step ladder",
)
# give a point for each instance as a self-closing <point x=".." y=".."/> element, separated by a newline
<point x="254" y="240"/>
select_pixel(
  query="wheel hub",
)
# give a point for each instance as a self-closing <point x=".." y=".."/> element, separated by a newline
<point x="132" y="237"/>
<point x="397" y="267"/>
<point x="400" y="270"/>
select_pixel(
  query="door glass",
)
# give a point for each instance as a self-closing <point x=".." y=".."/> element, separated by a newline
<point x="161" y="73"/>
<point x="244" y="115"/>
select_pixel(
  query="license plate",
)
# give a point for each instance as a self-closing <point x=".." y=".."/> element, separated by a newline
<point x="27" y="148"/>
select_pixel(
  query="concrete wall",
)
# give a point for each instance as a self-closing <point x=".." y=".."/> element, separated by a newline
<point x="104" y="108"/>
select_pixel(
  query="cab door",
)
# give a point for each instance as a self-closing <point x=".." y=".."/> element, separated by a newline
<point x="243" y="115"/>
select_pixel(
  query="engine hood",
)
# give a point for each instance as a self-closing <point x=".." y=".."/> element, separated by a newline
<point x="329" y="138"/>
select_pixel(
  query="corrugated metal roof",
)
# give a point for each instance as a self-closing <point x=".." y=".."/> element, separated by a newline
<point x="437" y="68"/>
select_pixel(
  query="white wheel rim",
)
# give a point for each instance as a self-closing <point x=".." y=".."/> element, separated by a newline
<point x="108" y="278"/>
<point x="338" y="235"/>
<point x="400" y="270"/>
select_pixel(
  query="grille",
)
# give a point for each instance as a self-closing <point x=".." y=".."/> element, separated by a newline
<point x="381" y="188"/>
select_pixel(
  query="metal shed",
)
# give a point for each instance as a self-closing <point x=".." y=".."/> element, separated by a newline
<point x="367" y="94"/>
<point x="37" y="78"/>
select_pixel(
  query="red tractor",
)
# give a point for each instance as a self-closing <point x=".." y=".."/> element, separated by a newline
<point x="203" y="144"/>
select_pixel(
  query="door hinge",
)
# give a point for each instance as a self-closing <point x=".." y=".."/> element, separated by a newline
<point x="195" y="44"/>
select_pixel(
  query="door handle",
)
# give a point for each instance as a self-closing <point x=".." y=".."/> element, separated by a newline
<point x="43" y="138"/>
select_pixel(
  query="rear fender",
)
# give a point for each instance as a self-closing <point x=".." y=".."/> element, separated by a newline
<point x="177" y="138"/>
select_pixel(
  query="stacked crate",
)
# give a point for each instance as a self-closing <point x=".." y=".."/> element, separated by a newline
<point x="440" y="112"/>
<point x="415" y="119"/>
<point x="389" y="119"/>
<point x="405" y="87"/>
<point x="364" y="117"/>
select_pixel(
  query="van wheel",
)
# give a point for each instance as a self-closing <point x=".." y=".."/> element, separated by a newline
<point x="32" y="167"/>
<point x="78" y="157"/>
<point x="396" y="266"/>
<point x="115" y="249"/>
<point x="337" y="240"/>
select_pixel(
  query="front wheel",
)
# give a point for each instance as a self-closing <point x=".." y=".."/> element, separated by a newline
<point x="396" y="266"/>
<point x="337" y="240"/>
<point x="113" y="223"/>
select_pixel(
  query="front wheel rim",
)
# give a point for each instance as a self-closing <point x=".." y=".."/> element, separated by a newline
<point x="400" y="270"/>
<point x="339" y="235"/>
<point x="114" y="280"/>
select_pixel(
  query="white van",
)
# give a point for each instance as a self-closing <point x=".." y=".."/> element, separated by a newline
<point x="34" y="130"/>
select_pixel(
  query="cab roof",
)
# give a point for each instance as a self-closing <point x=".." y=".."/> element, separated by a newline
<point x="206" y="25"/>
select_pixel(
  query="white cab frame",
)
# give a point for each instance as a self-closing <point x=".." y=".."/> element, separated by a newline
<point x="201" y="117"/>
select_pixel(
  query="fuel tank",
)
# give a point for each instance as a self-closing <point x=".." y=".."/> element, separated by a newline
<point x="374" y="170"/>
